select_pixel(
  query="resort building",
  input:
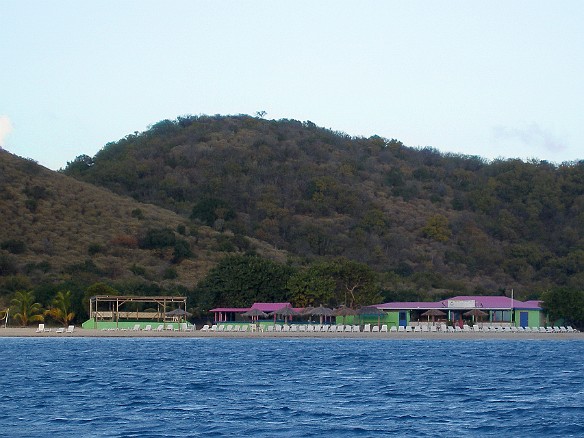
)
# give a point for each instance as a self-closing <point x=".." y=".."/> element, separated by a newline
<point x="460" y="310"/>
<point x="475" y="309"/>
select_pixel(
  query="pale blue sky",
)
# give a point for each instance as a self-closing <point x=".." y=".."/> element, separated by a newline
<point x="490" y="78"/>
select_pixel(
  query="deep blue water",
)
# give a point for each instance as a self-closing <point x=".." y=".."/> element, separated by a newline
<point x="127" y="387"/>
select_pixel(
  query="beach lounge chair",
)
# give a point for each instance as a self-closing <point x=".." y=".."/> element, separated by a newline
<point x="160" y="328"/>
<point x="136" y="328"/>
<point x="325" y="328"/>
<point x="41" y="328"/>
<point x="443" y="328"/>
<point x="367" y="328"/>
<point x="148" y="328"/>
<point x="450" y="329"/>
<point x="70" y="329"/>
<point x="340" y="328"/>
<point x="563" y="329"/>
<point x="384" y="328"/>
<point x="393" y="329"/>
<point x="237" y="327"/>
<point x="169" y="327"/>
<point x="214" y="328"/>
<point x="417" y="329"/>
<point x="60" y="330"/>
<point x="333" y="328"/>
<point x="408" y="329"/>
<point x="375" y="329"/>
<point x="357" y="328"/>
<point x="348" y="328"/>
<point x="425" y="328"/>
<point x="401" y="329"/>
<point x="205" y="328"/>
<point x="229" y="328"/>
<point x="244" y="327"/>
<point x="294" y="328"/>
<point x="433" y="328"/>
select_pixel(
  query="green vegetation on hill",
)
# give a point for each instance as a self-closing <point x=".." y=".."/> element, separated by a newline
<point x="235" y="209"/>
<point x="425" y="221"/>
<point x="59" y="234"/>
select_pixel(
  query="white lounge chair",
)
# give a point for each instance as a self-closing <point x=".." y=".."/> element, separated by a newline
<point x="41" y="328"/>
<point x="60" y="330"/>
<point x="244" y="327"/>
<point x="401" y="329"/>
<point x="393" y="329"/>
<point x="375" y="329"/>
<point x="160" y="328"/>
<point x="205" y="328"/>
<point x="148" y="328"/>
<point x="136" y="328"/>
<point x="70" y="329"/>
<point x="384" y="328"/>
<point x="367" y="328"/>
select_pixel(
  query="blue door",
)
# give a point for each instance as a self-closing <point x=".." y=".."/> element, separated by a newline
<point x="523" y="319"/>
<point x="403" y="320"/>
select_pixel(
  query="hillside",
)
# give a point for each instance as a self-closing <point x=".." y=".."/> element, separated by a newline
<point x="61" y="233"/>
<point x="426" y="222"/>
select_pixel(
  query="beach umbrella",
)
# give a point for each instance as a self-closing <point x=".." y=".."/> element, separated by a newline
<point x="179" y="313"/>
<point x="344" y="311"/>
<point x="372" y="311"/>
<point x="476" y="313"/>
<point x="322" y="312"/>
<point x="255" y="313"/>
<point x="285" y="312"/>
<point x="433" y="313"/>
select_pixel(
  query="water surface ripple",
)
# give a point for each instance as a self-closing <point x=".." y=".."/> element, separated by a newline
<point x="137" y="387"/>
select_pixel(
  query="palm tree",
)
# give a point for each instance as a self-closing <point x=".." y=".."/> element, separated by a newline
<point x="26" y="310"/>
<point x="61" y="309"/>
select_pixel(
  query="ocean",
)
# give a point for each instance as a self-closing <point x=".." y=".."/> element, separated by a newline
<point x="154" y="387"/>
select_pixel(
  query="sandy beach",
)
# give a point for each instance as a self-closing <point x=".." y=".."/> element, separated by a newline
<point x="90" y="333"/>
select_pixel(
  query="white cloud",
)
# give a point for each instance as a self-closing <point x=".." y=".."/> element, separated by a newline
<point x="531" y="136"/>
<point x="5" y="128"/>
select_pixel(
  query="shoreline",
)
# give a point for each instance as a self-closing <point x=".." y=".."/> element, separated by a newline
<point x="30" y="332"/>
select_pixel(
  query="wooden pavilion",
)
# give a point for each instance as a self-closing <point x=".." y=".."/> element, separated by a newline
<point x="114" y="308"/>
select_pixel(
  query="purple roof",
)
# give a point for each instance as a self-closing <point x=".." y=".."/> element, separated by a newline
<point x="485" y="302"/>
<point x="405" y="305"/>
<point x="270" y="307"/>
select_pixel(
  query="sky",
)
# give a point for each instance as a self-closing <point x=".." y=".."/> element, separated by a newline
<point x="497" y="78"/>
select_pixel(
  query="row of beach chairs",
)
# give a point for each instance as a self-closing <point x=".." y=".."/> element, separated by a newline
<point x="183" y="327"/>
<point x="504" y="329"/>
<point x="298" y="328"/>
<point x="371" y="328"/>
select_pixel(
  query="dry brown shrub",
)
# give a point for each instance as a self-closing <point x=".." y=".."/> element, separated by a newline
<point x="125" y="241"/>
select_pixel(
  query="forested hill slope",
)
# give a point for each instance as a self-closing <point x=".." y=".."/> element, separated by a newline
<point x="58" y="233"/>
<point x="427" y="221"/>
